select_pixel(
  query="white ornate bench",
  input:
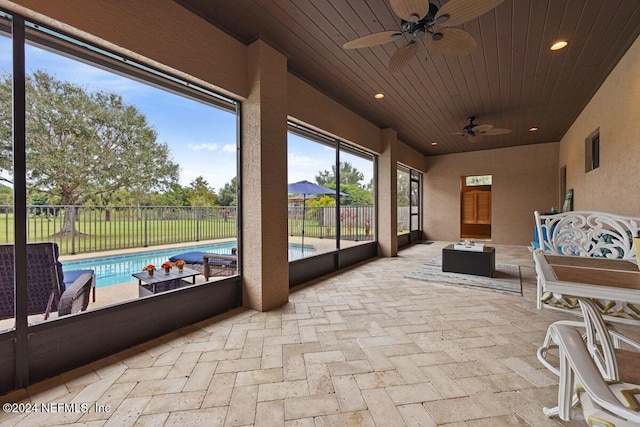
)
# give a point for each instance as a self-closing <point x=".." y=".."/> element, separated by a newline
<point x="591" y="234"/>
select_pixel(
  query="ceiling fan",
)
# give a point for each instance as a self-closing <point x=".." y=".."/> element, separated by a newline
<point x="420" y="18"/>
<point x="474" y="132"/>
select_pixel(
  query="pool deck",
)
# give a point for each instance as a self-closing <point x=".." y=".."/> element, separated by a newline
<point x="108" y="295"/>
<point x="321" y="245"/>
<point x="115" y="294"/>
<point x="101" y="254"/>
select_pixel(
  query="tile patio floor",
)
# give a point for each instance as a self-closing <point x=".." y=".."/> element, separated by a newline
<point x="365" y="347"/>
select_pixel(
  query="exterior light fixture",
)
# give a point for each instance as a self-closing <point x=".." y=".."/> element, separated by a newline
<point x="559" y="45"/>
<point x="378" y="95"/>
<point x="434" y="143"/>
<point x="533" y="129"/>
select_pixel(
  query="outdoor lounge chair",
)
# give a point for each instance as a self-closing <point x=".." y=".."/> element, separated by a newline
<point x="604" y="402"/>
<point x="601" y="361"/>
<point x="45" y="290"/>
<point x="70" y="276"/>
<point x="209" y="264"/>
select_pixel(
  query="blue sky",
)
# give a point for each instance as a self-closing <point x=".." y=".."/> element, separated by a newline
<point x="306" y="159"/>
<point x="202" y="139"/>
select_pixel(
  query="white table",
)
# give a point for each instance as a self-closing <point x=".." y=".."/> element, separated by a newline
<point x="586" y="277"/>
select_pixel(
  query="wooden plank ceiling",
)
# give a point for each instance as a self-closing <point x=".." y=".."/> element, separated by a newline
<point x="512" y="80"/>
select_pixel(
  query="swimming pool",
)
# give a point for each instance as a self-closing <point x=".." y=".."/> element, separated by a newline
<point x="116" y="269"/>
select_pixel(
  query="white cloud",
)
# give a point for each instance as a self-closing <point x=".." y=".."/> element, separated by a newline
<point x="207" y="146"/>
<point x="216" y="177"/>
<point x="229" y="148"/>
<point x="302" y="161"/>
<point x="216" y="168"/>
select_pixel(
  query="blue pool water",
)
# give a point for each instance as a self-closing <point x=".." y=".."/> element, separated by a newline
<point x="117" y="269"/>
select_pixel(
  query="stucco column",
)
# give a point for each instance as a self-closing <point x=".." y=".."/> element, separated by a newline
<point x="265" y="265"/>
<point x="388" y="194"/>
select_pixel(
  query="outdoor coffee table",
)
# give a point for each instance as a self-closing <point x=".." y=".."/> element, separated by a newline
<point x="477" y="262"/>
<point x="161" y="281"/>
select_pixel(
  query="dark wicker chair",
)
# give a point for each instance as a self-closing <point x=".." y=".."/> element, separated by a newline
<point x="219" y="265"/>
<point x="76" y="297"/>
<point x="44" y="283"/>
<point x="210" y="264"/>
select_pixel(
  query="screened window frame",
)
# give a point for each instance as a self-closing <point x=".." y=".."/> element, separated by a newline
<point x="339" y="145"/>
<point x="414" y="176"/>
<point x="57" y="42"/>
<point x="592" y="151"/>
<point x="60" y="43"/>
<point x="418" y="177"/>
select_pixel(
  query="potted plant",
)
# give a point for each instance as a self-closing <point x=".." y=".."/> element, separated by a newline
<point x="180" y="264"/>
<point x="167" y="267"/>
<point x="149" y="269"/>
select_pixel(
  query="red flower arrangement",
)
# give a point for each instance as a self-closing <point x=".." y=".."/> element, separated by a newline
<point x="167" y="265"/>
<point x="149" y="267"/>
<point x="180" y="264"/>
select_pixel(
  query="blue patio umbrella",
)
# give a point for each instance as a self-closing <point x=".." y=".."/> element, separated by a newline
<point x="308" y="188"/>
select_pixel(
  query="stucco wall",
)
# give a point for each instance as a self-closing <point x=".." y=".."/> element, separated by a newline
<point x="160" y="30"/>
<point x="525" y="179"/>
<point x="323" y="113"/>
<point x="615" y="109"/>
<point x="319" y="111"/>
<point x="264" y="181"/>
<point x="173" y="37"/>
<point x="410" y="157"/>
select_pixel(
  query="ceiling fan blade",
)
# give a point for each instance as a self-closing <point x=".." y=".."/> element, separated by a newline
<point x="374" y="39"/>
<point x="456" y="12"/>
<point x="474" y="138"/>
<point x="497" y="131"/>
<point x="402" y="56"/>
<point x="410" y="10"/>
<point x="452" y="41"/>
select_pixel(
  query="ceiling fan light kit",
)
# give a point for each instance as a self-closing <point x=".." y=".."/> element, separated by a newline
<point x="418" y="18"/>
<point x="442" y="19"/>
<point x="453" y="41"/>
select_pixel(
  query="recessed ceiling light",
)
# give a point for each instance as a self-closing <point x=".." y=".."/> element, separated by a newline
<point x="378" y="95"/>
<point x="533" y="129"/>
<point x="434" y="143"/>
<point x="559" y="45"/>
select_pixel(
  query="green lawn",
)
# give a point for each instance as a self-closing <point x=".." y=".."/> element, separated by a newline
<point x="95" y="233"/>
<point x="98" y="234"/>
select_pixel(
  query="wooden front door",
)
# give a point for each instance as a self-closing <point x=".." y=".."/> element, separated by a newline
<point x="475" y="211"/>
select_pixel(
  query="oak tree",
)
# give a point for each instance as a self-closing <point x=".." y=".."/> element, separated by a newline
<point x="81" y="144"/>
